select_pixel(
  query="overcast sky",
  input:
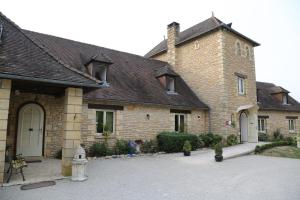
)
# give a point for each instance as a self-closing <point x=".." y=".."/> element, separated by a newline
<point x="136" y="26"/>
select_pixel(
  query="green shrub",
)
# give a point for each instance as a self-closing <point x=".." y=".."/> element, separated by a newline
<point x="58" y="154"/>
<point x="121" y="147"/>
<point x="263" y="137"/>
<point x="99" y="149"/>
<point x="231" y="140"/>
<point x="210" y="139"/>
<point x="218" y="149"/>
<point x="187" y="147"/>
<point x="291" y="140"/>
<point x="259" y="149"/>
<point x="149" y="146"/>
<point x="277" y="135"/>
<point x="171" y="142"/>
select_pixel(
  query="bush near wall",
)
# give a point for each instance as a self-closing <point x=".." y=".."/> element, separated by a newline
<point x="232" y="140"/>
<point x="260" y="149"/>
<point x="171" y="142"/>
<point x="263" y="137"/>
<point x="210" y="139"/>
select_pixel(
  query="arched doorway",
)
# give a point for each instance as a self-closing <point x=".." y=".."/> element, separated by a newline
<point x="244" y="127"/>
<point x="30" y="130"/>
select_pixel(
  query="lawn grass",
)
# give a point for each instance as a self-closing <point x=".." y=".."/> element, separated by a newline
<point x="283" y="151"/>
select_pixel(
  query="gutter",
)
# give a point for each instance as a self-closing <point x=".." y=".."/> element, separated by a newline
<point x="33" y="79"/>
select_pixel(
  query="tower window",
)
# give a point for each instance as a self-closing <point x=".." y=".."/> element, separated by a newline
<point x="241" y="86"/>
<point x="238" y="49"/>
<point x="247" y="52"/>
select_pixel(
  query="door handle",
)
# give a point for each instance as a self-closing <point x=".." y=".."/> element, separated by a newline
<point x="31" y="129"/>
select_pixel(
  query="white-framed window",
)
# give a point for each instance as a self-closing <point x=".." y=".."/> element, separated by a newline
<point x="262" y="125"/>
<point x="238" y="48"/>
<point x="180" y="123"/>
<point x="170" y="84"/>
<point x="241" y="85"/>
<point x="284" y="99"/>
<point x="292" y="125"/>
<point x="105" y="121"/>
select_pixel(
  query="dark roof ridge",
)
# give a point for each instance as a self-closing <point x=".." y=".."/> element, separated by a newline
<point x="46" y="51"/>
<point x="96" y="46"/>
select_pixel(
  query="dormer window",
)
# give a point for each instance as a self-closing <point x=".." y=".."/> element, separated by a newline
<point x="98" y="66"/>
<point x="167" y="78"/>
<point x="170" y="84"/>
<point x="284" y="99"/>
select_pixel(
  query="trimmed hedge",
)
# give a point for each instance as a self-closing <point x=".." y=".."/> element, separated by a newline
<point x="210" y="140"/>
<point x="232" y="140"/>
<point x="260" y="149"/>
<point x="263" y="137"/>
<point x="171" y="142"/>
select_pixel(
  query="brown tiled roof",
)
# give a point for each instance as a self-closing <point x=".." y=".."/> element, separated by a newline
<point x="207" y="26"/>
<point x="22" y="58"/>
<point x="131" y="78"/>
<point x="266" y="100"/>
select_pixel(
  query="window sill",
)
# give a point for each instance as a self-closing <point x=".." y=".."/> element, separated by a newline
<point x="243" y="95"/>
<point x="172" y="93"/>
<point x="100" y="136"/>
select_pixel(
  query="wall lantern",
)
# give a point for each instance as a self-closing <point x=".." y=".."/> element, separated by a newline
<point x="148" y="116"/>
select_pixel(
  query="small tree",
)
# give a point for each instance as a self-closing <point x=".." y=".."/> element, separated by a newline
<point x="219" y="149"/>
<point x="106" y="132"/>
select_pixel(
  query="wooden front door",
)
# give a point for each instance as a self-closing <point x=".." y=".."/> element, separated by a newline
<point x="30" y="130"/>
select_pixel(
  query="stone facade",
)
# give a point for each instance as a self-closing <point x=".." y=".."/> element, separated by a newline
<point x="53" y="130"/>
<point x="132" y="123"/>
<point x="213" y="59"/>
<point x="278" y="120"/>
<point x="5" y="87"/>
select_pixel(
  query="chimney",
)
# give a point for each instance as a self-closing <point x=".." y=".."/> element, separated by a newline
<point x="173" y="33"/>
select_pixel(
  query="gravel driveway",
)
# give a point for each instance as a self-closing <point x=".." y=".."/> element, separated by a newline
<point x="175" y="177"/>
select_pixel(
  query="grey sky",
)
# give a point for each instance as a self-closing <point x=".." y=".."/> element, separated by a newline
<point x="135" y="26"/>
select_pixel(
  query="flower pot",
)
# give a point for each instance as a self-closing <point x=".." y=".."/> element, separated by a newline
<point x="218" y="158"/>
<point x="186" y="153"/>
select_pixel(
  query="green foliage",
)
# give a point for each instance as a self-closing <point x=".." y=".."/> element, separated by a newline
<point x="291" y="140"/>
<point x="58" y="154"/>
<point x="149" y="146"/>
<point x="121" y="147"/>
<point x="210" y="139"/>
<point x="100" y="149"/>
<point x="187" y="147"/>
<point x="277" y="135"/>
<point x="263" y="137"/>
<point x="171" y="142"/>
<point x="259" y="149"/>
<point x="231" y="140"/>
<point x="218" y="149"/>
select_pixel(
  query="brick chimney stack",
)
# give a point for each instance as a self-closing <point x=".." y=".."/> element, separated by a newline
<point x="173" y="33"/>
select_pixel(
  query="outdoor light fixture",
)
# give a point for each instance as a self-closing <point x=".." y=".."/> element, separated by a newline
<point x="148" y="116"/>
<point x="17" y="92"/>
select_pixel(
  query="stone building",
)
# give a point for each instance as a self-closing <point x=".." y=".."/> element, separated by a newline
<point x="56" y="93"/>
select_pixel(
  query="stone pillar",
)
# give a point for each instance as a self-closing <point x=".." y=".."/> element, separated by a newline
<point x="252" y="127"/>
<point x="5" y="87"/>
<point x="72" y="127"/>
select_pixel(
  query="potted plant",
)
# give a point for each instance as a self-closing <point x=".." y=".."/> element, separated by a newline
<point x="219" y="152"/>
<point x="187" y="147"/>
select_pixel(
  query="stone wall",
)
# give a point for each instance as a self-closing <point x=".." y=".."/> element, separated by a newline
<point x="53" y="107"/>
<point x="208" y="65"/>
<point x="278" y="120"/>
<point x="132" y="123"/>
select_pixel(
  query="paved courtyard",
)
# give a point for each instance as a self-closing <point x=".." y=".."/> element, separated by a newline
<point x="173" y="176"/>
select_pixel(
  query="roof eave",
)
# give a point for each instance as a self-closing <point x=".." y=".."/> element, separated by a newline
<point x="58" y="82"/>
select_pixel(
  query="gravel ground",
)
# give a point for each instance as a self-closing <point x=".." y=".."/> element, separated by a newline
<point x="173" y="176"/>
